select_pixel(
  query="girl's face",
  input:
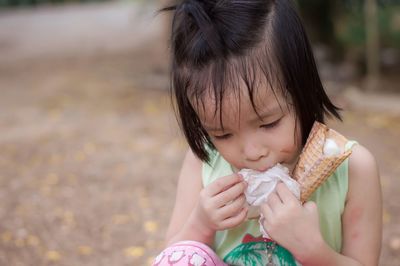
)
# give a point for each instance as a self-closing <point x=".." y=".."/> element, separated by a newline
<point x="251" y="141"/>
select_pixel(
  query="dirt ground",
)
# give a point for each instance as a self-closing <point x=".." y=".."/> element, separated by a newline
<point x="90" y="152"/>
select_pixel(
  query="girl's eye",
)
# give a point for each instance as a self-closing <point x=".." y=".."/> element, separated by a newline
<point x="222" y="137"/>
<point x="271" y="125"/>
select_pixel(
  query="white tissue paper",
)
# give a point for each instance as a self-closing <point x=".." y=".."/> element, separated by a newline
<point x="261" y="184"/>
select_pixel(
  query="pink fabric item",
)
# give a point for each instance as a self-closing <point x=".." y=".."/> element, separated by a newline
<point x="188" y="253"/>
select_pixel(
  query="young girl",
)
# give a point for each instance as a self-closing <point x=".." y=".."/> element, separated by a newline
<point x="247" y="93"/>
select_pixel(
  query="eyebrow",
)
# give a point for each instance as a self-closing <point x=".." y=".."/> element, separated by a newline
<point x="213" y="129"/>
<point x="265" y="114"/>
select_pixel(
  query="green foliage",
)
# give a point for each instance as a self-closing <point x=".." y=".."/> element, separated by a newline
<point x="350" y="26"/>
<point x="342" y="23"/>
<point x="389" y="24"/>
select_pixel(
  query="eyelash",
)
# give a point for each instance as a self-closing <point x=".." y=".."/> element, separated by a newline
<point x="222" y="137"/>
<point x="271" y="125"/>
<point x="267" y="126"/>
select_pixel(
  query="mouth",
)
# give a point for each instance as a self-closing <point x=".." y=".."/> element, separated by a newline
<point x="258" y="169"/>
<point x="265" y="168"/>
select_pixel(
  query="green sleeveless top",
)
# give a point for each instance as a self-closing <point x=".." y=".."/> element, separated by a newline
<point x="244" y="245"/>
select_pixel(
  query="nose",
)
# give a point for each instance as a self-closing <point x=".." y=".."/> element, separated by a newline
<point x="254" y="150"/>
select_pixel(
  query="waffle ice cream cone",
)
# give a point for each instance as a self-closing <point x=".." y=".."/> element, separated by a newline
<point x="317" y="160"/>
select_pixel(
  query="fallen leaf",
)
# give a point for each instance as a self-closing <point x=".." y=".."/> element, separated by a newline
<point x="6" y="237"/>
<point x="80" y="156"/>
<point x="150" y="226"/>
<point x="89" y="148"/>
<point x="120" y="169"/>
<point x="51" y="179"/>
<point x="144" y="202"/>
<point x="53" y="255"/>
<point x="150" y="261"/>
<point x="378" y="121"/>
<point x="151" y="244"/>
<point x="69" y="218"/>
<point x="55" y="159"/>
<point x="85" y="250"/>
<point x="134" y="252"/>
<point x="19" y="242"/>
<point x="33" y="240"/>
<point x="120" y="219"/>
<point x="387" y="217"/>
<point x="45" y="190"/>
<point x="151" y="108"/>
<point x="55" y="114"/>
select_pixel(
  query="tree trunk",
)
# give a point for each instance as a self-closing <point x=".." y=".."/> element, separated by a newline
<point x="372" y="44"/>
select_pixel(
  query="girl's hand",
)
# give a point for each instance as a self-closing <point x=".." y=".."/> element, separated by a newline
<point x="290" y="224"/>
<point x="221" y="204"/>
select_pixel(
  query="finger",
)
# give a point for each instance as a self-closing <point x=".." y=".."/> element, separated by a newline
<point x="274" y="201"/>
<point x="233" y="207"/>
<point x="311" y="206"/>
<point x="234" y="220"/>
<point x="266" y="211"/>
<point x="285" y="194"/>
<point x="223" y="183"/>
<point x="230" y="194"/>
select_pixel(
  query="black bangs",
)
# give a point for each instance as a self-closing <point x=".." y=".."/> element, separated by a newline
<point x="220" y="48"/>
<point x="234" y="76"/>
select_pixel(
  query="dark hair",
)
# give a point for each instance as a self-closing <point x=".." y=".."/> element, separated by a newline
<point x="218" y="43"/>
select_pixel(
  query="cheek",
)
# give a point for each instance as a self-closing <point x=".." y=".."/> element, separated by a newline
<point x="227" y="151"/>
<point x="290" y="140"/>
<point x="289" y="148"/>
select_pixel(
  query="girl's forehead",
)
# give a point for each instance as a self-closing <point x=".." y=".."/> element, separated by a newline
<point x="237" y="104"/>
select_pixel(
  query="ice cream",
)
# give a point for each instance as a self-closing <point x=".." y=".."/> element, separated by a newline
<point x="323" y="153"/>
<point x="331" y="148"/>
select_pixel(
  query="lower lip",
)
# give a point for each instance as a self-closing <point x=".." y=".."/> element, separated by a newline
<point x="264" y="169"/>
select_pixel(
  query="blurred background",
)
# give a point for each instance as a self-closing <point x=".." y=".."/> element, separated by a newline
<point x="89" y="146"/>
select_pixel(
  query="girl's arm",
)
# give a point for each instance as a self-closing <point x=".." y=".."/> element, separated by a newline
<point x="362" y="217"/>
<point x="189" y="187"/>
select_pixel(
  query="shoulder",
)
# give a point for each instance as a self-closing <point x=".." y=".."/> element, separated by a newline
<point x="361" y="156"/>
<point x="191" y="161"/>
<point x="363" y="170"/>
<point x="190" y="175"/>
